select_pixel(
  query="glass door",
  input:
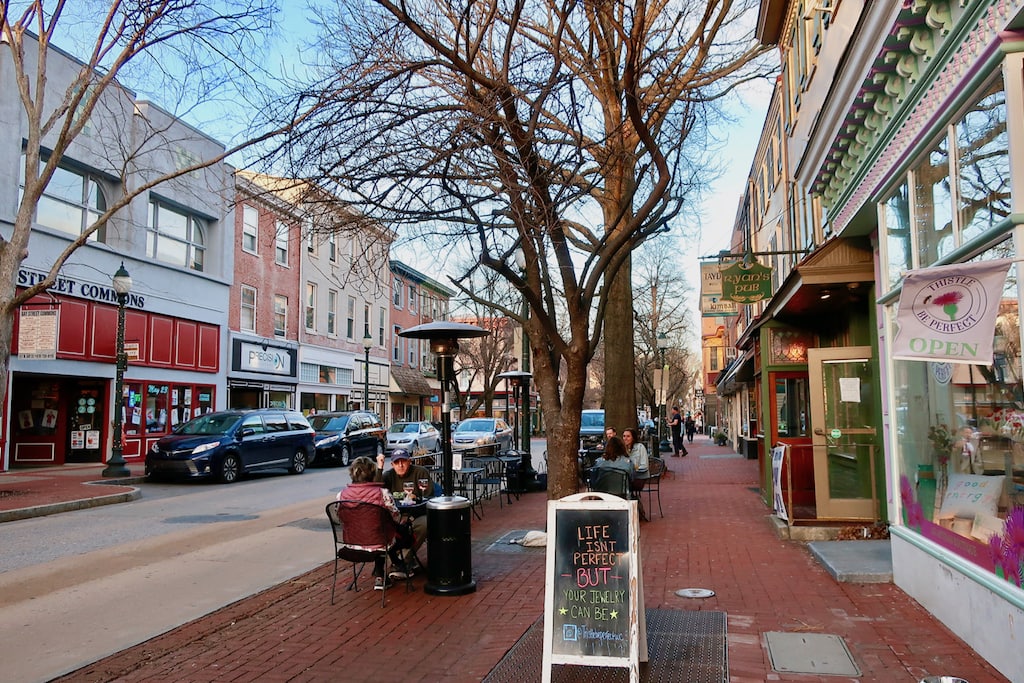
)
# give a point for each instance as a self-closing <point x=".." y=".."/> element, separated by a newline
<point x="843" y="413"/>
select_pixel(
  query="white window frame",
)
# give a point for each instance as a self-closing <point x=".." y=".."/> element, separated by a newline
<point x="350" y="320"/>
<point x="396" y="344"/>
<point x="396" y="293"/>
<point x="310" y="307"/>
<point x="280" y="315"/>
<point x="412" y="297"/>
<point x="332" y="312"/>
<point x="250" y="306"/>
<point x="250" y="229"/>
<point x="89" y="211"/>
<point x="281" y="244"/>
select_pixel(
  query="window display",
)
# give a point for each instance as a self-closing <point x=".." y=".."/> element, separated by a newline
<point x="959" y="431"/>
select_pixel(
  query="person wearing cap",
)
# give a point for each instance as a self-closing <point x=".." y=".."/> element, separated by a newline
<point x="404" y="471"/>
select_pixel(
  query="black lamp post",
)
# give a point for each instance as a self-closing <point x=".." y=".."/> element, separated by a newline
<point x="449" y="549"/>
<point x="367" y="345"/>
<point x="520" y="382"/>
<point x="116" y="466"/>
<point x="663" y="391"/>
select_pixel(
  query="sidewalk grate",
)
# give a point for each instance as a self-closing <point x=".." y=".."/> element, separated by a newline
<point x="684" y="646"/>
<point x="810" y="653"/>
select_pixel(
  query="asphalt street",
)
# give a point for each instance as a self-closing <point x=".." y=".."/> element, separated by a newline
<point x="135" y="570"/>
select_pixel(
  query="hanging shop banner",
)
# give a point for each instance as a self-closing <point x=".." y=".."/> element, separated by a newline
<point x="746" y="284"/>
<point x="711" y="302"/>
<point x="948" y="313"/>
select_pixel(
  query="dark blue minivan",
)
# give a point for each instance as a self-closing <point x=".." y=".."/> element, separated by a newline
<point x="230" y="443"/>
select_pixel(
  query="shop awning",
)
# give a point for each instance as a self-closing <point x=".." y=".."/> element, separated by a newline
<point x="411" y="381"/>
<point x="825" y="283"/>
<point x="737" y="374"/>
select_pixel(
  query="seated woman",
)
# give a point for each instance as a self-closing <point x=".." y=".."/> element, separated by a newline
<point x="614" y="458"/>
<point x="364" y="489"/>
<point x="637" y="451"/>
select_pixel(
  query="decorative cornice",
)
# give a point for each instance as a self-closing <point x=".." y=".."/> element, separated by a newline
<point x="916" y="38"/>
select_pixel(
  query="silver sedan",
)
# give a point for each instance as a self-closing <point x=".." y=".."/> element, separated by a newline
<point x="484" y="434"/>
<point x="415" y="437"/>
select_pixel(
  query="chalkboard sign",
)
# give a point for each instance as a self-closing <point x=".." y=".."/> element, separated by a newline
<point x="593" y="606"/>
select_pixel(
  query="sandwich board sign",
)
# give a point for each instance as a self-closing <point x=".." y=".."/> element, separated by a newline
<point x="593" y="593"/>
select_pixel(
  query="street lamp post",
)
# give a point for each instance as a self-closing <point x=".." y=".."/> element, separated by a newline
<point x="663" y="389"/>
<point x="521" y="384"/>
<point x="116" y="466"/>
<point x="449" y="550"/>
<point x="367" y="344"/>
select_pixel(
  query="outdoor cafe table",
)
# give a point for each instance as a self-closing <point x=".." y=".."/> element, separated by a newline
<point x="466" y="483"/>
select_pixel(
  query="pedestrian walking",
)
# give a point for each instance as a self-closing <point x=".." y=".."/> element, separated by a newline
<point x="675" y="425"/>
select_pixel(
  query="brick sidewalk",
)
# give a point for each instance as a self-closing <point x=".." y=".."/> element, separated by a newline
<point x="714" y="535"/>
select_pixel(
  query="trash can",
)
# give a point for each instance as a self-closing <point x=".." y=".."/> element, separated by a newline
<point x="515" y="477"/>
<point x="449" y="547"/>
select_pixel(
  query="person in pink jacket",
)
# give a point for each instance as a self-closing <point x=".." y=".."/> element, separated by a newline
<point x="364" y="489"/>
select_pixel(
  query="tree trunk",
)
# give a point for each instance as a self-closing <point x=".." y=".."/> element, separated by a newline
<point x="619" y="366"/>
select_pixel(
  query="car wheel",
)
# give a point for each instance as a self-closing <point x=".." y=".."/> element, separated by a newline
<point x="230" y="468"/>
<point x="298" y="462"/>
<point x="415" y="450"/>
<point x="346" y="456"/>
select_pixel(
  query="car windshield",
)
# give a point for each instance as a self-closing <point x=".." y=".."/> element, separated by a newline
<point x="476" y="426"/>
<point x="214" y="423"/>
<point x="329" y="423"/>
<point x="592" y="420"/>
<point x="400" y="427"/>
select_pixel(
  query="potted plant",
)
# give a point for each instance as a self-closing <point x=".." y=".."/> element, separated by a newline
<point x="720" y="438"/>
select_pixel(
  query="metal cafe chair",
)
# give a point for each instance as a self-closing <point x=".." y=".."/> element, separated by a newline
<point x="608" y="480"/>
<point x="653" y="484"/>
<point x="357" y="525"/>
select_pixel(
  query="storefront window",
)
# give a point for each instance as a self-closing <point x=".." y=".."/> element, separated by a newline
<point x="959" y="434"/>
<point x="792" y="409"/>
<point x="156" y="408"/>
<point x="933" y="205"/>
<point x="896" y="214"/>
<point x="982" y="149"/>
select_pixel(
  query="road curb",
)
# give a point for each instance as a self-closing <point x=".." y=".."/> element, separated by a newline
<point x="79" y="504"/>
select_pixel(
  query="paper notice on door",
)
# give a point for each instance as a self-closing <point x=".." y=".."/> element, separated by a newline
<point x="849" y="389"/>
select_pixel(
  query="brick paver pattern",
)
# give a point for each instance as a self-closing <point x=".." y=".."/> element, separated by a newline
<point x="715" y="534"/>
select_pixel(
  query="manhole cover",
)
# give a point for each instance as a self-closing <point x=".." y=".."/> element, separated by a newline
<point x="695" y="592"/>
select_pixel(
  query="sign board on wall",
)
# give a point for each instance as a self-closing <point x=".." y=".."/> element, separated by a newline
<point x="37" y="334"/>
<point x="593" y="596"/>
<point x="746" y="284"/>
<point x="711" y="302"/>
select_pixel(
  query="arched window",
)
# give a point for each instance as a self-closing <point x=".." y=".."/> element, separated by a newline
<point x="72" y="201"/>
<point x="176" y="237"/>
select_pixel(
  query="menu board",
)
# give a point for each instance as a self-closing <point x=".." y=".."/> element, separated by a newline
<point x="593" y="612"/>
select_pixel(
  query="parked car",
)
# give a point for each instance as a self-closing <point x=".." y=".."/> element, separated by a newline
<point x="230" y="443"/>
<point x="343" y="437"/>
<point x="490" y="434"/>
<point x="591" y="429"/>
<point x="415" y="437"/>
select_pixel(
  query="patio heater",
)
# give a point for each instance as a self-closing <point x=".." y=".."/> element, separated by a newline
<point x="116" y="466"/>
<point x="449" y="549"/>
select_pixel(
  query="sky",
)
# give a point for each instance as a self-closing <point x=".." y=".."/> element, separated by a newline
<point x="717" y="209"/>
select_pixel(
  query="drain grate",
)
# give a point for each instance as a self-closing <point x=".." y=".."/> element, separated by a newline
<point x="684" y="646"/>
<point x="810" y="653"/>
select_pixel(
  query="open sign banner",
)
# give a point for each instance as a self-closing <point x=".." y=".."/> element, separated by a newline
<point x="949" y="313"/>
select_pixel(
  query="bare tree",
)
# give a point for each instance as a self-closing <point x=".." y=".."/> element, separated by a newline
<point x="195" y="45"/>
<point x="660" y="308"/>
<point x="556" y="128"/>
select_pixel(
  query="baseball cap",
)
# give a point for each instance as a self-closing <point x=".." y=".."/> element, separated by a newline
<point x="399" y="454"/>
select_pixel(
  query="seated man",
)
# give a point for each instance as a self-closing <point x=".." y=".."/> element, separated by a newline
<point x="403" y="472"/>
